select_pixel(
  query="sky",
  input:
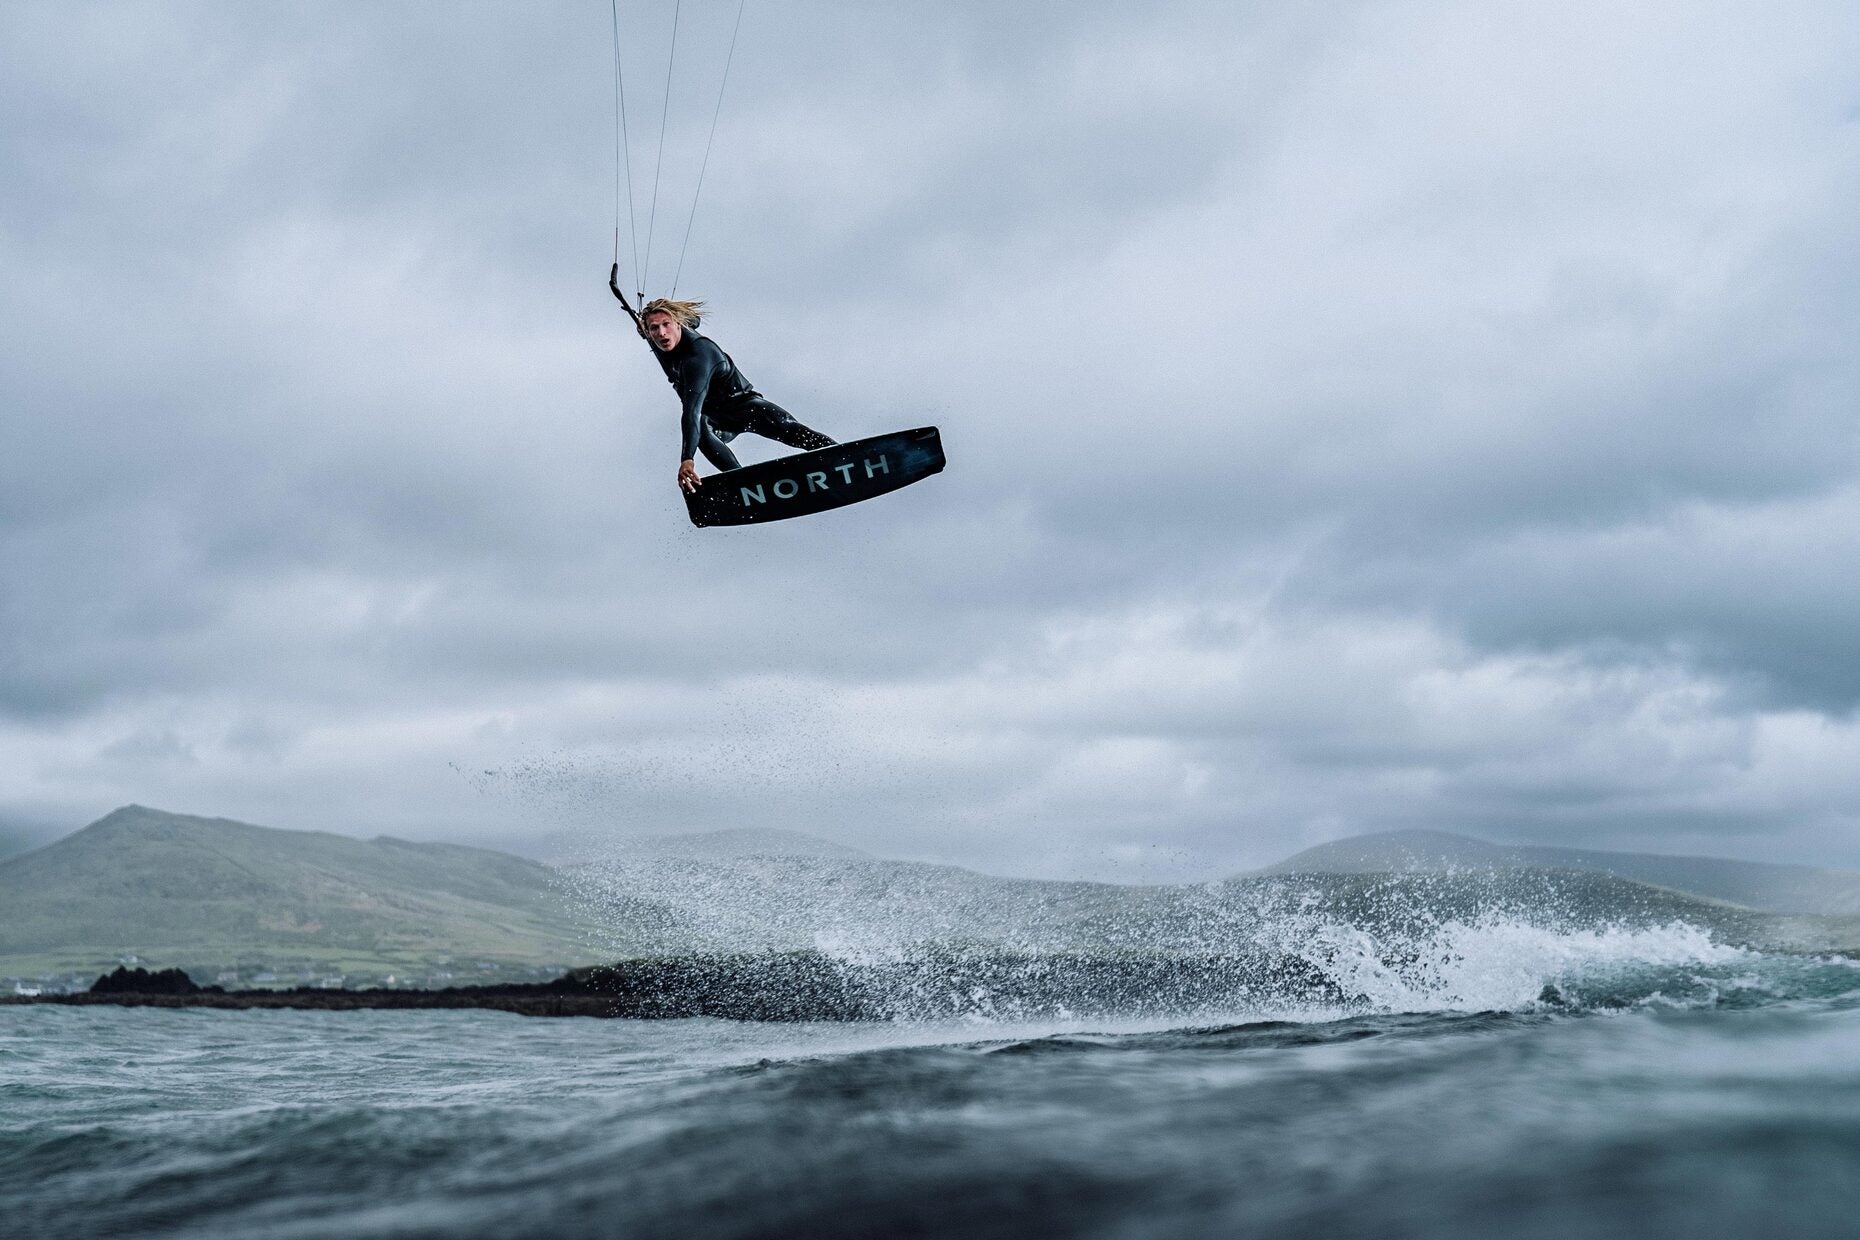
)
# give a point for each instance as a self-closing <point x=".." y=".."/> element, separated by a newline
<point x="1360" y="416"/>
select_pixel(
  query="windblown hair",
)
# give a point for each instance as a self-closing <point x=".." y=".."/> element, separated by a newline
<point x="686" y="312"/>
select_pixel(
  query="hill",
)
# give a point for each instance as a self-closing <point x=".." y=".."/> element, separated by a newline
<point x="1766" y="886"/>
<point x="210" y="894"/>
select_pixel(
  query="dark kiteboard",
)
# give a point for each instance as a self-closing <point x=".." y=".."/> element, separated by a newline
<point x="810" y="482"/>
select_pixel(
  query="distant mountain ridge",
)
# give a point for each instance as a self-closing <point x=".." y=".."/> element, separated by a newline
<point x="1770" y="887"/>
<point x="209" y="893"/>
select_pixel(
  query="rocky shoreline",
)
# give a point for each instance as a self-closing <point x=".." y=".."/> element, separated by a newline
<point x="797" y="986"/>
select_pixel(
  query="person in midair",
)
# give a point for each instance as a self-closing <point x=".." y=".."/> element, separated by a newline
<point x="719" y="404"/>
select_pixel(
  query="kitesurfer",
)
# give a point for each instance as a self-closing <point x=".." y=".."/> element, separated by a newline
<point x="719" y="404"/>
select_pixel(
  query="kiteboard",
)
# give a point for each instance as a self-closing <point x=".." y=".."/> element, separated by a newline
<point x="810" y="482"/>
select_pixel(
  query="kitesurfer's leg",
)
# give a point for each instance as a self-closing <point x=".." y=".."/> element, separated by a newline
<point x="764" y="417"/>
<point x="714" y="449"/>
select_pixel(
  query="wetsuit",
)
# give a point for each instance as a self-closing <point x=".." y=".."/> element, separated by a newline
<point x="719" y="404"/>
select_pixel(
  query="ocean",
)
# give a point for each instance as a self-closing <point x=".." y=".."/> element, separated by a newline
<point x="1502" y="1080"/>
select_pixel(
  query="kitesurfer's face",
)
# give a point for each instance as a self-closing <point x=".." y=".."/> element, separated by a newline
<point x="663" y="330"/>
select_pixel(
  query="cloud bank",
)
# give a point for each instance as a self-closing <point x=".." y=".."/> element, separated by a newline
<point x="1429" y="414"/>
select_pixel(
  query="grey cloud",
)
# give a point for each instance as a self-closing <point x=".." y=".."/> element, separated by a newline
<point x="1451" y="340"/>
<point x="1759" y="595"/>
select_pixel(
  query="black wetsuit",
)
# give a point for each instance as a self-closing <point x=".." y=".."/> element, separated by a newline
<point x="719" y="404"/>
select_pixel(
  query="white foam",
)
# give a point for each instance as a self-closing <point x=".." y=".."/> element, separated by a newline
<point x="1499" y="963"/>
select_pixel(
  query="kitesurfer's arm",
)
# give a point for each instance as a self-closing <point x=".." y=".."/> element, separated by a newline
<point x="694" y="414"/>
<point x="696" y="385"/>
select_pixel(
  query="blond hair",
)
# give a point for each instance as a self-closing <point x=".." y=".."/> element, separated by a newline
<point x="686" y="312"/>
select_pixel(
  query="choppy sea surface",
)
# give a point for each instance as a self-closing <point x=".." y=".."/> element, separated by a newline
<point x="1638" y="1082"/>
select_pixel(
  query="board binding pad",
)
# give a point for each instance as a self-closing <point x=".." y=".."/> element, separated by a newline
<point x="810" y="482"/>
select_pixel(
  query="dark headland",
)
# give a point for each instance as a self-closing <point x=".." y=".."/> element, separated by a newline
<point x="791" y="986"/>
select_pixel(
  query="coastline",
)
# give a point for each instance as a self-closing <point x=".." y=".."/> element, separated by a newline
<point x="799" y="987"/>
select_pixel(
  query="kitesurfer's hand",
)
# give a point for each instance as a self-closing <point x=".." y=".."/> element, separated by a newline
<point x="688" y="477"/>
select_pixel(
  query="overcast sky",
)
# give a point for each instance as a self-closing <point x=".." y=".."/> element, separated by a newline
<point x="1360" y="416"/>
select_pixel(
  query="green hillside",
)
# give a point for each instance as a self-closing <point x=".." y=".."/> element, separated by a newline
<point x="210" y="894"/>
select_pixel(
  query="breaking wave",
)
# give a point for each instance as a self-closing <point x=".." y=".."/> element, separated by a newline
<point x="789" y="938"/>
